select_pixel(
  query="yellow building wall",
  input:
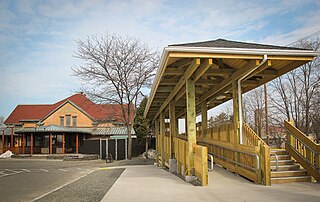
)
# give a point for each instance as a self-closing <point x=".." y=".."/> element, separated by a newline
<point x="107" y="125"/>
<point x="68" y="109"/>
<point x="29" y="125"/>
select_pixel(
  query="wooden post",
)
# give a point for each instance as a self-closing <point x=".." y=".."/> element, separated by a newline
<point x="63" y="142"/>
<point x="191" y="123"/>
<point x="158" y="151"/>
<point x="204" y="119"/>
<point x="235" y="112"/>
<point x="77" y="143"/>
<point x="173" y="126"/>
<point x="236" y="119"/>
<point x="2" y="139"/>
<point x="50" y="143"/>
<point x="31" y="144"/>
<point x="162" y="134"/>
<point x="11" y="141"/>
<point x="116" y="149"/>
<point x="23" y="142"/>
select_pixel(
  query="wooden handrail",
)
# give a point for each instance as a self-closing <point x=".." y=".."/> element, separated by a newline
<point x="303" y="150"/>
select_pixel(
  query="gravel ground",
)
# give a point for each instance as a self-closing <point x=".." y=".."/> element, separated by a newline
<point x="92" y="187"/>
<point x="133" y="161"/>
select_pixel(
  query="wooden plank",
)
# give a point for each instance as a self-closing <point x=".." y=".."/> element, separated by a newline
<point x="191" y="122"/>
<point x="188" y="73"/>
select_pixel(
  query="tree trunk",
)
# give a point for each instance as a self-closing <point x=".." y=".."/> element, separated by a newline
<point x="147" y="145"/>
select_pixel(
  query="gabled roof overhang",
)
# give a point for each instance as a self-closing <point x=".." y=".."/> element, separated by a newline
<point x="213" y="70"/>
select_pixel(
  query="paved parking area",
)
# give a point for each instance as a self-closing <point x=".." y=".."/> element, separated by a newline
<point x="25" y="180"/>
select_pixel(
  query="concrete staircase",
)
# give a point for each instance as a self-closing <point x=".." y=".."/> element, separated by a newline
<point x="288" y="170"/>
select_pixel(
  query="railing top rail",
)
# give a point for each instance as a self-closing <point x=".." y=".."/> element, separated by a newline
<point x="302" y="137"/>
<point x="255" y="134"/>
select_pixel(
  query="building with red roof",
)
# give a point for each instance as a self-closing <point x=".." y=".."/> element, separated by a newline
<point x="72" y="125"/>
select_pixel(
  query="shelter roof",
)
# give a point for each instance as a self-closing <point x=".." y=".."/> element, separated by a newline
<point x="214" y="66"/>
<point x="223" y="43"/>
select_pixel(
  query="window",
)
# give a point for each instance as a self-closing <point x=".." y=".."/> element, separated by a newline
<point x="68" y="120"/>
<point x="61" y="121"/>
<point x="74" y="121"/>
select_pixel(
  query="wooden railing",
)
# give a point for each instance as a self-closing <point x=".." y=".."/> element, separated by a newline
<point x="180" y="151"/>
<point x="303" y="150"/>
<point x="250" y="159"/>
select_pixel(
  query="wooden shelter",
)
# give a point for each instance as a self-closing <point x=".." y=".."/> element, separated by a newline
<point x="195" y="77"/>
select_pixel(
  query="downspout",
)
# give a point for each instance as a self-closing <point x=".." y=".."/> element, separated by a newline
<point x="265" y="58"/>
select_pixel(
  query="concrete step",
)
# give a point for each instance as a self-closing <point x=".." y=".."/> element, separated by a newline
<point x="278" y="151"/>
<point x="288" y="173"/>
<point x="282" y="162"/>
<point x="286" y="167"/>
<point x="281" y="157"/>
<point x="280" y="180"/>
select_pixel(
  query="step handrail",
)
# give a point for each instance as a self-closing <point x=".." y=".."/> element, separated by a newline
<point x="211" y="159"/>
<point x="277" y="160"/>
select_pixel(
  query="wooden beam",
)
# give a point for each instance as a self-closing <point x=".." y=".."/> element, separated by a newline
<point x="226" y="82"/>
<point x="202" y="69"/>
<point x="193" y="66"/>
<point x="190" y="123"/>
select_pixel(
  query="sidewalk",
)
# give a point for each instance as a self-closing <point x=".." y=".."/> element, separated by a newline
<point x="151" y="183"/>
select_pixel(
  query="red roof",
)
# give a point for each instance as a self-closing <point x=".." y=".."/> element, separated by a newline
<point x="96" y="111"/>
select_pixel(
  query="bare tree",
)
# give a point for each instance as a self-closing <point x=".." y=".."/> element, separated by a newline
<point x="254" y="105"/>
<point x="2" y="119"/>
<point x="114" y="70"/>
<point x="294" y="94"/>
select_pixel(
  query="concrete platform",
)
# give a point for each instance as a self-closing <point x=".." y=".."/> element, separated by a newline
<point x="151" y="183"/>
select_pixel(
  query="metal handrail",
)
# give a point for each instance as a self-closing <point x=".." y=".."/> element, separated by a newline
<point x="238" y="163"/>
<point x="211" y="159"/>
<point x="277" y="160"/>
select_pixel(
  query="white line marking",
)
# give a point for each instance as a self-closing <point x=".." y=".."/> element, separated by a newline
<point x="26" y="170"/>
<point x="44" y="170"/>
<point x="62" y="170"/>
<point x="60" y="187"/>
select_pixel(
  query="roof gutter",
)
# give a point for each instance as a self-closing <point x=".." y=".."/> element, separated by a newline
<point x="245" y="51"/>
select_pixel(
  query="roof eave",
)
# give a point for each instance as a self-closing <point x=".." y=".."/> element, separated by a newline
<point x="240" y="51"/>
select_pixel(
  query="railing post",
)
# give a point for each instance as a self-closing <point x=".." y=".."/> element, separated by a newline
<point x="162" y="135"/>
<point x="158" y="141"/>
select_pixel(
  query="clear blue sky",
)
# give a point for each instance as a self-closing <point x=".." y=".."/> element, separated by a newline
<point x="37" y="38"/>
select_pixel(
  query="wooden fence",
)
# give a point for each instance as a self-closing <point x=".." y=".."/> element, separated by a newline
<point x="250" y="159"/>
<point x="305" y="151"/>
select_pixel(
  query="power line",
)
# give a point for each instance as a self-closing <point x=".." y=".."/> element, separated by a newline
<point x="304" y="38"/>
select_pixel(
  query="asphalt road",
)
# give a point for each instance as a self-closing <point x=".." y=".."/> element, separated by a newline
<point x="25" y="180"/>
